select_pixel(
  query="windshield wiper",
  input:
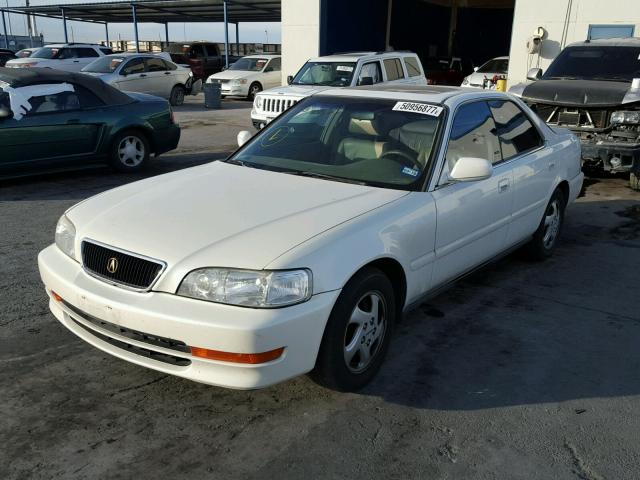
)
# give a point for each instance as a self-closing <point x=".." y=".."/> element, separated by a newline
<point x="235" y="161"/>
<point x="323" y="176"/>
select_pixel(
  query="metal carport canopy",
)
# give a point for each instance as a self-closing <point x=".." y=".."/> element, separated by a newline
<point x="160" y="11"/>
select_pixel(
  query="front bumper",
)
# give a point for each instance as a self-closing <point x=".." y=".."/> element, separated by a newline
<point x="625" y="156"/>
<point x="166" y="139"/>
<point x="260" y="120"/>
<point x="195" y="323"/>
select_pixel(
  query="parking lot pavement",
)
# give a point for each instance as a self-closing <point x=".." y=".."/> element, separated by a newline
<point x="522" y="371"/>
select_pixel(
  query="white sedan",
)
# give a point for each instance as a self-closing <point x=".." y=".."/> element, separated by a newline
<point x="302" y="250"/>
<point x="483" y="76"/>
<point x="249" y="75"/>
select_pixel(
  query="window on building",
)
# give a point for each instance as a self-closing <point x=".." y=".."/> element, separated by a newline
<point x="371" y="70"/>
<point x="610" y="31"/>
<point x="393" y="67"/>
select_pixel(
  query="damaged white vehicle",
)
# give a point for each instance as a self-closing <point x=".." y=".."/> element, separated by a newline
<point x="302" y="250"/>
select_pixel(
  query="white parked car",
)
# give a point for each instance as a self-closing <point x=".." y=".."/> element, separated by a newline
<point x="248" y="76"/>
<point x="482" y="77"/>
<point x="70" y="57"/>
<point x="144" y="73"/>
<point x="340" y="70"/>
<point x="345" y="212"/>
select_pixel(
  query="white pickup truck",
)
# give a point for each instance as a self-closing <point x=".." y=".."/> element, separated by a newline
<point x="339" y="70"/>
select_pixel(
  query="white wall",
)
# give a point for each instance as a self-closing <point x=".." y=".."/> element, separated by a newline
<point x="300" y="34"/>
<point x="552" y="15"/>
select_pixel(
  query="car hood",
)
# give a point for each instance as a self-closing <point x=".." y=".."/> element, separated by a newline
<point x="297" y="90"/>
<point x="233" y="74"/>
<point x="220" y="215"/>
<point x="596" y="93"/>
<point x="19" y="61"/>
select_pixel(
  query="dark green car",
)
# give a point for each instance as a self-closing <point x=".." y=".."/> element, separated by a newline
<point x="53" y="120"/>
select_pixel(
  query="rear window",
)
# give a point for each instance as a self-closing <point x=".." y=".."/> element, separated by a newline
<point x="413" y="67"/>
<point x="393" y="67"/>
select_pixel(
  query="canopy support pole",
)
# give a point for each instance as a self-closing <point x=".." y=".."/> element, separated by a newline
<point x="106" y="31"/>
<point x="166" y="33"/>
<point x="135" y="26"/>
<point x="226" y="35"/>
<point x="4" y="26"/>
<point x="64" y="24"/>
<point x="237" y="41"/>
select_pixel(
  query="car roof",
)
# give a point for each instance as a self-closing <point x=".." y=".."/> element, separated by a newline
<point x="609" y="42"/>
<point x="22" y="77"/>
<point x="82" y="45"/>
<point x="431" y="93"/>
<point x="263" y="55"/>
<point x="355" y="56"/>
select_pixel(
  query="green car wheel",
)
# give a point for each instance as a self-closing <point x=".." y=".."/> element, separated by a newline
<point x="129" y="151"/>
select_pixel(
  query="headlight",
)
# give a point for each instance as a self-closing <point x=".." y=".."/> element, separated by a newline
<point x="625" y="117"/>
<point x="66" y="236"/>
<point x="258" y="102"/>
<point x="248" y="288"/>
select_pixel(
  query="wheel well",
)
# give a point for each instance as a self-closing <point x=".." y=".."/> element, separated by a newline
<point x="255" y="83"/>
<point x="564" y="188"/>
<point x="394" y="271"/>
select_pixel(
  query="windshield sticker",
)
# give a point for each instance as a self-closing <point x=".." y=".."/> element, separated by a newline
<point x="275" y="137"/>
<point x="19" y="97"/>
<point x="422" y="108"/>
<point x="410" y="171"/>
<point x="344" y="68"/>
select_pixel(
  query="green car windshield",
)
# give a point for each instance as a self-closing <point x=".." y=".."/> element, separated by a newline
<point x="383" y="143"/>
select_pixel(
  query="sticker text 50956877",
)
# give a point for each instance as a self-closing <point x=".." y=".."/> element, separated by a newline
<point x="423" y="108"/>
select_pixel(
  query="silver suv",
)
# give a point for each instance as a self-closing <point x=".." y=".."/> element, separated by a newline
<point x="70" y="57"/>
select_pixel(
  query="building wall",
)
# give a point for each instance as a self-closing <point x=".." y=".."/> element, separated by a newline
<point x="300" y="34"/>
<point x="565" y="21"/>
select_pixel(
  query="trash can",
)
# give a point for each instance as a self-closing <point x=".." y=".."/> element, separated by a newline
<point x="211" y="95"/>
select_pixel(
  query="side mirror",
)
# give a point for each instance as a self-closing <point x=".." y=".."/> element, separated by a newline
<point x="366" y="81"/>
<point x="471" y="169"/>
<point x="289" y="79"/>
<point x="475" y="69"/>
<point x="5" y="113"/>
<point x="243" y="137"/>
<point x="534" y="74"/>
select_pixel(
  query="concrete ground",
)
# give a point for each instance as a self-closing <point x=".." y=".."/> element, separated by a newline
<point x="522" y="371"/>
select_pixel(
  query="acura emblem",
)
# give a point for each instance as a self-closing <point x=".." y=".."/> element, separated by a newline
<point x="112" y="265"/>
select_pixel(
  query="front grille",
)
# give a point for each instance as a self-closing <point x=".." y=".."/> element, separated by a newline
<point x="572" y="116"/>
<point x="277" y="105"/>
<point x="119" y="267"/>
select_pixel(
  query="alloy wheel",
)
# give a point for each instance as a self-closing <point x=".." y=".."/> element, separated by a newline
<point x="365" y="332"/>
<point x="131" y="151"/>
<point x="551" y="224"/>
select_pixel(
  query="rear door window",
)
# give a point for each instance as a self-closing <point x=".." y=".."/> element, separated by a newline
<point x="86" y="52"/>
<point x="134" y="66"/>
<point x="517" y="134"/>
<point x="275" y="65"/>
<point x="156" y="65"/>
<point x="197" y="51"/>
<point x="393" y="67"/>
<point x="413" y="67"/>
<point x="211" y="50"/>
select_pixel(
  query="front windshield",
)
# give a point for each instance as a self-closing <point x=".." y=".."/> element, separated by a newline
<point x="596" y="63"/>
<point x="46" y="52"/>
<point x="497" y="65"/>
<point x="383" y="143"/>
<point x="249" y="64"/>
<point x="335" y="74"/>
<point x="107" y="64"/>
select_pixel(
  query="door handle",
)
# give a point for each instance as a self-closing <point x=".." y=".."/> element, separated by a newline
<point x="142" y="75"/>
<point x="552" y="165"/>
<point x="76" y="61"/>
<point x="503" y="185"/>
<point x="167" y="73"/>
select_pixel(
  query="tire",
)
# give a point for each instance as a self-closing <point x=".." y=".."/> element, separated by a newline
<point x="545" y="239"/>
<point x="634" y="181"/>
<point x="352" y="330"/>
<point x="129" y="151"/>
<point x="177" y="95"/>
<point x="254" y="89"/>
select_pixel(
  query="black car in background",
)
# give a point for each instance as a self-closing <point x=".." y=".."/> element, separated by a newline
<point x="593" y="88"/>
<point x="5" y="56"/>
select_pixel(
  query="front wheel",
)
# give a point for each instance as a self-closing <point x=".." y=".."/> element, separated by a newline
<point x="254" y="89"/>
<point x="177" y="96"/>
<point x="545" y="239"/>
<point x="129" y="151"/>
<point x="358" y="333"/>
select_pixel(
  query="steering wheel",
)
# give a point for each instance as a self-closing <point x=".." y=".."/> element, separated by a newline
<point x="401" y="157"/>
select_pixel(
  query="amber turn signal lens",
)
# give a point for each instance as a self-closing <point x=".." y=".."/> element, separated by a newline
<point x="252" y="358"/>
<point x="55" y="296"/>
